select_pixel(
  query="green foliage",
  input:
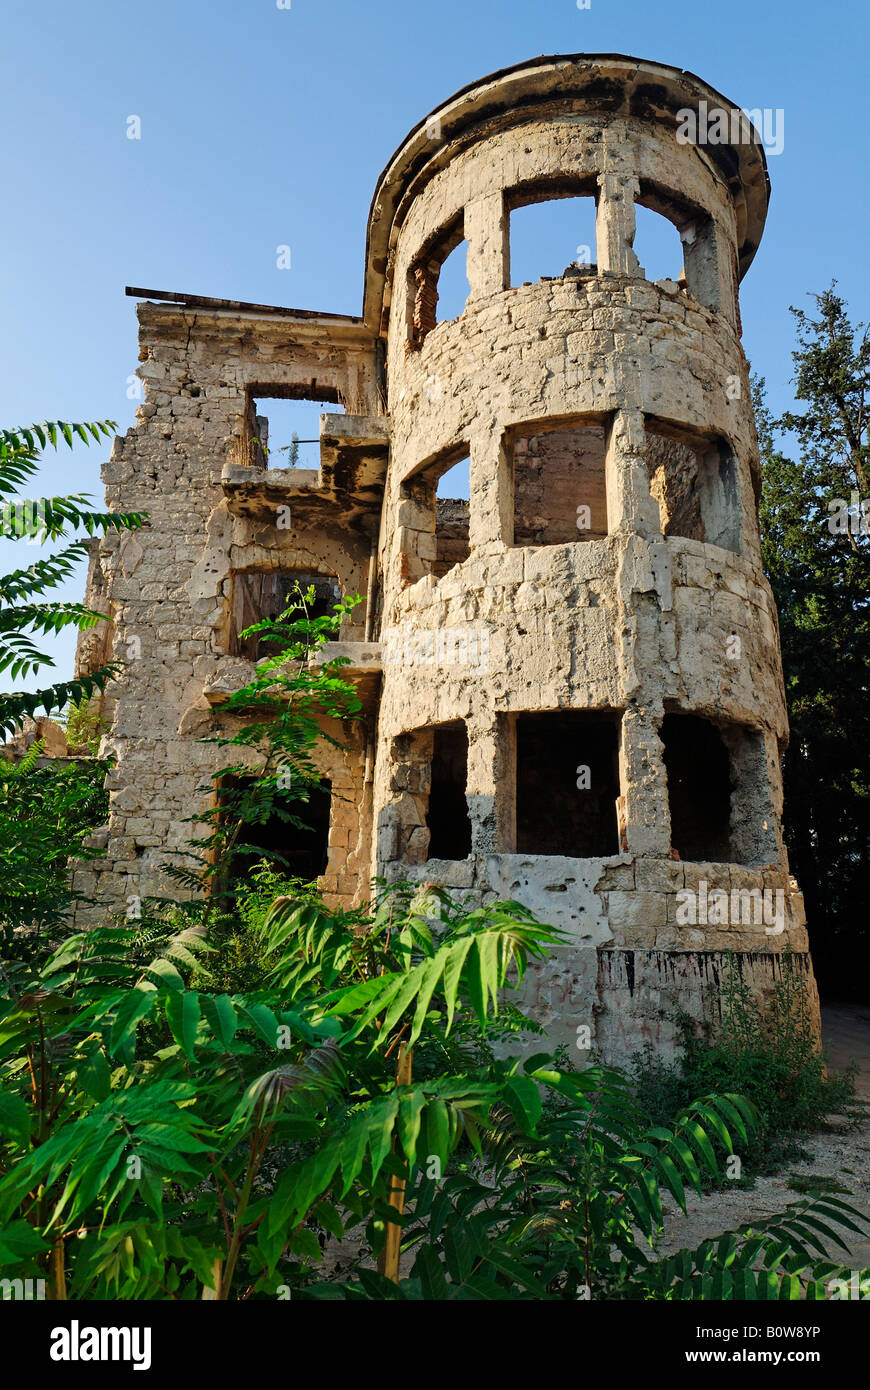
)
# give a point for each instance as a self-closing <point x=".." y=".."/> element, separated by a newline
<point x="157" y="1139"/>
<point x="771" y="1058"/>
<point x="571" y="1208"/>
<point x="275" y="771"/>
<point x="821" y="582"/>
<point x="84" y="727"/>
<point x="25" y="612"/>
<point x="129" y="1093"/>
<point x="201" y="1103"/>
<point x="45" y="814"/>
<point x="237" y="933"/>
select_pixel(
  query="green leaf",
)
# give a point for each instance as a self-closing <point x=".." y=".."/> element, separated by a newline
<point x="306" y="1245"/>
<point x="221" y="1017"/>
<point x="329" y="1217"/>
<point x="263" y="1021"/>
<point x="694" y="1130"/>
<point x="687" y="1158"/>
<point x="430" y="1271"/>
<point x="437" y="1132"/>
<point x="134" y="1006"/>
<point x="166" y="973"/>
<point x="14" y="1117"/>
<point x="452" y="973"/>
<point x="525" y="1100"/>
<point x="429" y="978"/>
<point x="380" y="1134"/>
<point x="94" y="1076"/>
<point x="182" y="1015"/>
<point x="411" y="1106"/>
<point x="19" y="1241"/>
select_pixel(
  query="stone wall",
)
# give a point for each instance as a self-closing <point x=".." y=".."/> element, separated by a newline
<point x="169" y="587"/>
<point x="595" y="389"/>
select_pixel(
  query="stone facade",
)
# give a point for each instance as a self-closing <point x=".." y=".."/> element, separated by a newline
<point x="571" y="681"/>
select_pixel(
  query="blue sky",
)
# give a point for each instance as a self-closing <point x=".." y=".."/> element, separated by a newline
<point x="264" y="126"/>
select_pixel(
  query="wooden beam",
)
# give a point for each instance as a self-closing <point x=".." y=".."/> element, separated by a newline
<point x="238" y="306"/>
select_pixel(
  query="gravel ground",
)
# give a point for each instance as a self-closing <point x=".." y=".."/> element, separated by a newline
<point x="843" y="1154"/>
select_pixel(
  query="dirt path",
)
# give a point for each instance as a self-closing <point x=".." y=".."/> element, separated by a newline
<point x="842" y="1155"/>
<point x="846" y="1036"/>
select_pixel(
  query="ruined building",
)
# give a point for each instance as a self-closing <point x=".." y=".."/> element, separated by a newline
<point x="571" y="677"/>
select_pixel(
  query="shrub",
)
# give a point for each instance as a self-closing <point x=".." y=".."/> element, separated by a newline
<point x="84" y="727"/>
<point x="206" y="1144"/>
<point x="45" y="814"/>
<point x="27" y="610"/>
<point x="772" y="1058"/>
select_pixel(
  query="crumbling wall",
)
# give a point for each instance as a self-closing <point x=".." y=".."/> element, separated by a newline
<point x="593" y="397"/>
<point x="94" y="644"/>
<point x="170" y="585"/>
<point x="560" y="491"/>
<point x="598" y="388"/>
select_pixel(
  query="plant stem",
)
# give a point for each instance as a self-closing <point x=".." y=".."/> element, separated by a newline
<point x="259" y="1144"/>
<point x="57" y="1269"/>
<point x="388" y="1263"/>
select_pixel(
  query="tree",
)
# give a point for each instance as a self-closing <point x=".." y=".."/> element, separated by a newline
<point x="164" y="1142"/>
<point x="816" y="551"/>
<point x="45" y="815"/>
<point x="25" y="612"/>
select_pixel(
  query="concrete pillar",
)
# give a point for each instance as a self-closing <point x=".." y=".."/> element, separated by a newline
<point x="487" y="234"/>
<point x="489" y="788"/>
<point x="756" y="798"/>
<point x="615" y="223"/>
<point x="709" y="274"/>
<point x="726" y="273"/>
<point x="700" y="262"/>
<point x="630" y="505"/>
<point x="491" y="508"/>
<point x="645" y="821"/>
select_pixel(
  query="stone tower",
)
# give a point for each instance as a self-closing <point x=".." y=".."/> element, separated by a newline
<point x="571" y="677"/>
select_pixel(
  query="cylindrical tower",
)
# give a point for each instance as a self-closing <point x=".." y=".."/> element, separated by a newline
<point x="583" y="703"/>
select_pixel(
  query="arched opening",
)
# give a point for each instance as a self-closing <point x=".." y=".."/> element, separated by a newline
<point x="657" y="245"/>
<point x="259" y="594"/>
<point x="677" y="241"/>
<point x="435" y="516"/>
<point x="452" y="495"/>
<point x="453" y="286"/>
<point x="437" y="283"/>
<point x="552" y="232"/>
<point x="560" y="492"/>
<point x="694" y="482"/>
